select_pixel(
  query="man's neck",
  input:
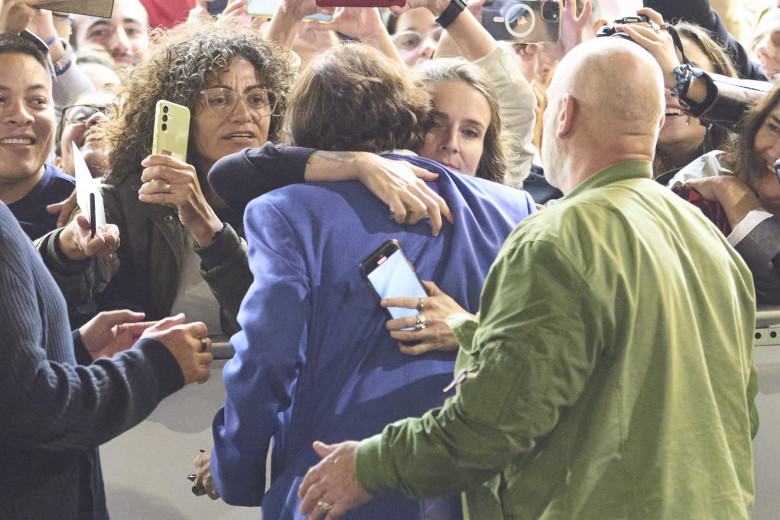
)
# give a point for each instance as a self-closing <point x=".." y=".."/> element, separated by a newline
<point x="580" y="171"/>
<point x="14" y="190"/>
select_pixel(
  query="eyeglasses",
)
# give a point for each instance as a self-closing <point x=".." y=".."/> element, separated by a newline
<point x="222" y="101"/>
<point x="411" y="40"/>
<point x="80" y="114"/>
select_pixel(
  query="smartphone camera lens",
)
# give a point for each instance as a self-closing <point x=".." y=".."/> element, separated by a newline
<point x="165" y="119"/>
<point x="550" y="11"/>
<point x="165" y="109"/>
<point x="164" y="127"/>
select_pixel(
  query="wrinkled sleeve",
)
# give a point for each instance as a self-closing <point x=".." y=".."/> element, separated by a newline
<point x="270" y="349"/>
<point x="224" y="266"/>
<point x="240" y="177"/>
<point x="55" y="405"/>
<point x="533" y="361"/>
<point x="517" y="102"/>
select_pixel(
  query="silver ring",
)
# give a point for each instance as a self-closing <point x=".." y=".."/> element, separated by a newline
<point x="324" y="506"/>
<point x="420" y="325"/>
<point x="167" y="187"/>
<point x="203" y="345"/>
<point x="420" y="304"/>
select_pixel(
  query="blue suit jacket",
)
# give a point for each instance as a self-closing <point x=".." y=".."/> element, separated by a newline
<point x="314" y="360"/>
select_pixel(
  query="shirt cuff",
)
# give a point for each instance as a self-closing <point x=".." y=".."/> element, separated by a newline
<point x="226" y="241"/>
<point x="368" y="467"/>
<point x="751" y="220"/>
<point x="464" y="327"/>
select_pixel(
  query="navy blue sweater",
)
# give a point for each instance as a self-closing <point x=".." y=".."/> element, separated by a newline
<point x="54" y="413"/>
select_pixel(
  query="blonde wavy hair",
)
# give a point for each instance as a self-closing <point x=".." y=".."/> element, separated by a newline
<point x="179" y="64"/>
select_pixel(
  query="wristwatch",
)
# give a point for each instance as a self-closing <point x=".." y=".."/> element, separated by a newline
<point x="64" y="62"/>
<point x="451" y="12"/>
<point x="682" y="75"/>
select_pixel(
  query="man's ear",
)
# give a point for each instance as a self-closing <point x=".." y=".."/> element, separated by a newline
<point x="566" y="115"/>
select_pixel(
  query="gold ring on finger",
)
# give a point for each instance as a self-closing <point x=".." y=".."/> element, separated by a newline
<point x="420" y="304"/>
<point x="324" y="506"/>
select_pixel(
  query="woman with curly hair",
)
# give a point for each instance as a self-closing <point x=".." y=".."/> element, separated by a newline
<point x="180" y="250"/>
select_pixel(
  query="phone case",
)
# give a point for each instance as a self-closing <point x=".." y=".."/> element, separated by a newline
<point x="360" y="3"/>
<point x="527" y="21"/>
<point x="376" y="259"/>
<point x="171" y="130"/>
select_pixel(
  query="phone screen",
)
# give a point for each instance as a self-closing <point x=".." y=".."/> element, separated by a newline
<point x="267" y="8"/>
<point x="392" y="276"/>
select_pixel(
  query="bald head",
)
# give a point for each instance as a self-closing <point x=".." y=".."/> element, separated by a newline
<point x="605" y="104"/>
<point x="614" y="79"/>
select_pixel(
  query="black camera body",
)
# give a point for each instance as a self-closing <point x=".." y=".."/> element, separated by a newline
<point x="527" y="21"/>
<point x="609" y="29"/>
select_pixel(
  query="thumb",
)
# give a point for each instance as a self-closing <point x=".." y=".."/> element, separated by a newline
<point x="322" y="449"/>
<point x="82" y="221"/>
<point x="126" y="315"/>
<point x="167" y="323"/>
<point x="55" y="208"/>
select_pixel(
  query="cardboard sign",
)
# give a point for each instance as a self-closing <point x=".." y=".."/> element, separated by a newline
<point x="99" y="8"/>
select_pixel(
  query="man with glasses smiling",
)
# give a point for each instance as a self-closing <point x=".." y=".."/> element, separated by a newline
<point x="76" y="126"/>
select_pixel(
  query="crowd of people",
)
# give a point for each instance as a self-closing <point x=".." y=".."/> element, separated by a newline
<point x="594" y="220"/>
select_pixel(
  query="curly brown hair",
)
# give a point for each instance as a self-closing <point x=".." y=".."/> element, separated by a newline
<point x="179" y="65"/>
<point x="352" y="97"/>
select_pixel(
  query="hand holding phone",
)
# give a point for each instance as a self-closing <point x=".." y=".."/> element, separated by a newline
<point x="528" y="21"/>
<point x="390" y="275"/>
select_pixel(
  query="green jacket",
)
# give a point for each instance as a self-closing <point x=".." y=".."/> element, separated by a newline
<point x="149" y="258"/>
<point x="609" y="374"/>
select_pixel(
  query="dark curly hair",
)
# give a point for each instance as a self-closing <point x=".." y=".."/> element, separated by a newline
<point x="179" y="65"/>
<point x="352" y="97"/>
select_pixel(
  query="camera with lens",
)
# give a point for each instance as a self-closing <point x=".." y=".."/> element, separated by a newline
<point x="527" y="21"/>
<point x="610" y="30"/>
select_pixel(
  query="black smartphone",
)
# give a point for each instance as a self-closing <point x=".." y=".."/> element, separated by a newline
<point x="92" y="216"/>
<point x="390" y="274"/>
<point x="215" y="7"/>
<point x="777" y="168"/>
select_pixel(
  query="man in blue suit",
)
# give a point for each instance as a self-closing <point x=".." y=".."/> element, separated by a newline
<point x="314" y="360"/>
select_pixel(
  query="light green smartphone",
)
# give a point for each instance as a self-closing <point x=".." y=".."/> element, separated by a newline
<point x="171" y="130"/>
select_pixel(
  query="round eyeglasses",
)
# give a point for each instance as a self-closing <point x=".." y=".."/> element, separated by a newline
<point x="222" y="101"/>
<point x="80" y="114"/>
<point x="411" y="40"/>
